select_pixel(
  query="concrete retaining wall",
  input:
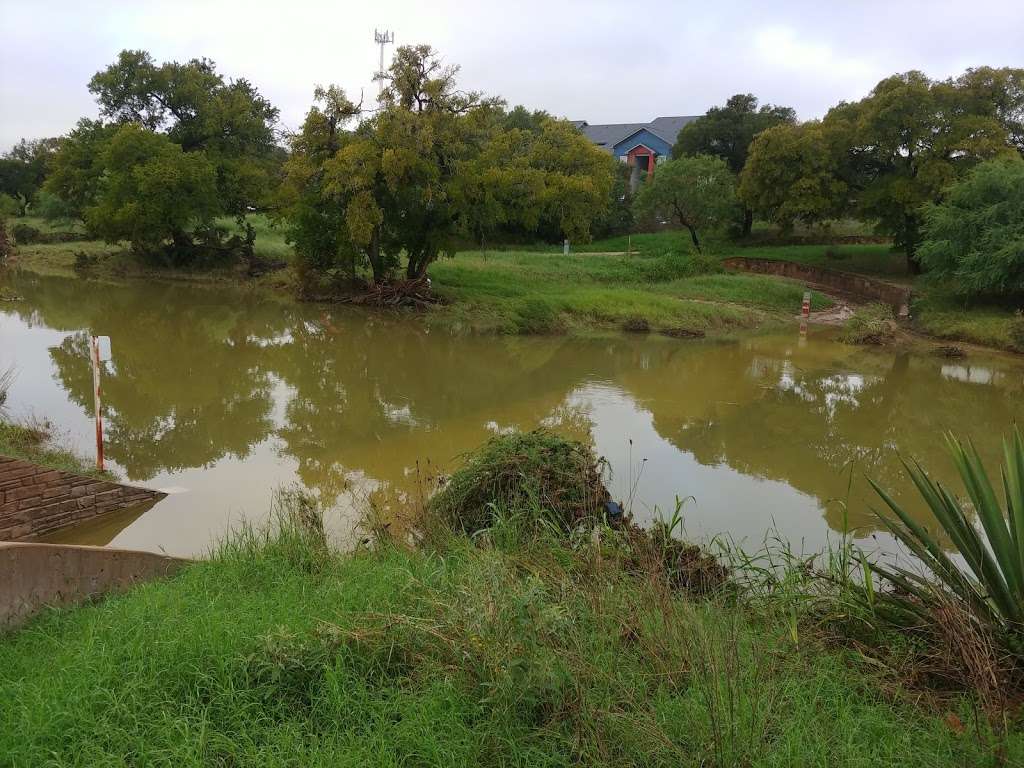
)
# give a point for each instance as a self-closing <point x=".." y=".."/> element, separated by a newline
<point x="36" y="575"/>
<point x="843" y="283"/>
<point x="36" y="500"/>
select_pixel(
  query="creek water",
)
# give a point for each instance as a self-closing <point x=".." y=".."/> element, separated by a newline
<point x="220" y="396"/>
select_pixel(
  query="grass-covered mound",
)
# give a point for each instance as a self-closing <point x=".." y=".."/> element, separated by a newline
<point x="533" y="474"/>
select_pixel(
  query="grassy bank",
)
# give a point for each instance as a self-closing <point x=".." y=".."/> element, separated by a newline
<point x="660" y="285"/>
<point x="274" y="654"/>
<point x="33" y="443"/>
<point x="531" y="642"/>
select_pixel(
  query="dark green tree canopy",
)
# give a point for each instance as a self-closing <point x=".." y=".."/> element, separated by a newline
<point x="727" y="131"/>
<point x="229" y="121"/>
<point x="23" y="169"/>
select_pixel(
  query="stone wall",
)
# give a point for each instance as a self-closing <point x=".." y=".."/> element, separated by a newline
<point x="830" y="280"/>
<point x="35" y="500"/>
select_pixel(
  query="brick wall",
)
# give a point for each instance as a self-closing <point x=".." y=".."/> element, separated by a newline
<point x="36" y="500"/>
<point x="843" y="283"/>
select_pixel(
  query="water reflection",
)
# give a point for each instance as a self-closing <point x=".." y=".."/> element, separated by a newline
<point x="229" y="394"/>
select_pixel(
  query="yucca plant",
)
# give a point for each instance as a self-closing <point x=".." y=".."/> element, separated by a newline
<point x="992" y="584"/>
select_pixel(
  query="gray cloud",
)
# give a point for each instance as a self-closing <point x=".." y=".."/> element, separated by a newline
<point x="600" y="61"/>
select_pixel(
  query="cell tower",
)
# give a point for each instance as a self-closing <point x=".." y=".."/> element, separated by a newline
<point x="382" y="39"/>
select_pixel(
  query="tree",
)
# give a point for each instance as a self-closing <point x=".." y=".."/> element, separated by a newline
<point x="432" y="168"/>
<point x="905" y="143"/>
<point x="698" y="192"/>
<point x="152" y="191"/>
<point x="792" y="175"/>
<point x="727" y="131"/>
<point x="23" y="170"/>
<point x="975" y="237"/>
<point x="228" y="121"/>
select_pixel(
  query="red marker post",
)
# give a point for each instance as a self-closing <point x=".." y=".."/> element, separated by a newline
<point x="805" y="314"/>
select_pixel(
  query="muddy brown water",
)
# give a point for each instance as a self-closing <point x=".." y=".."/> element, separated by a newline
<point x="220" y="396"/>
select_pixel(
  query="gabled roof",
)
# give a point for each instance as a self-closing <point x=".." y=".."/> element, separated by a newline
<point x="608" y="135"/>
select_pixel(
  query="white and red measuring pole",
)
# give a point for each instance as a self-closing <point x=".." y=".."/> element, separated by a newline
<point x="95" y="344"/>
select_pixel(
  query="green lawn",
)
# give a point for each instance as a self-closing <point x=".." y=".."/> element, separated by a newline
<point x="537" y="292"/>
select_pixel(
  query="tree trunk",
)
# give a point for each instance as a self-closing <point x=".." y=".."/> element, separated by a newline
<point x="748" y="221"/>
<point x="373" y="252"/>
<point x="693" y="236"/>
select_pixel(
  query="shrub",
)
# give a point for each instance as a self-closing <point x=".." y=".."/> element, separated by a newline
<point x="6" y="246"/>
<point x="534" y="474"/>
<point x="989" y="590"/>
<point x="1017" y="330"/>
<point x="9" y="206"/>
<point x="25" y="234"/>
<point x="871" y="324"/>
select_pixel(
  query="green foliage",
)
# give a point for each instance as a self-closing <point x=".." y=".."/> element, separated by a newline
<point x="434" y="167"/>
<point x="546" y="478"/>
<point x="25" y="234"/>
<point x="697" y="192"/>
<point x="975" y="237"/>
<point x="23" y="170"/>
<point x="992" y="587"/>
<point x="229" y="122"/>
<point x="1017" y="331"/>
<point x="872" y="324"/>
<point x="727" y="132"/>
<point x="9" y="206"/>
<point x="906" y="142"/>
<point x="77" y="166"/>
<point x="152" y="191"/>
<point x="791" y="176"/>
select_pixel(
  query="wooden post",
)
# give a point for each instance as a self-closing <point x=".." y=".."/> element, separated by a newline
<point x="94" y="349"/>
<point x="806" y="309"/>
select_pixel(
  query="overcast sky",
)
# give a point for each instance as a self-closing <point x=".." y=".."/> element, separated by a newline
<point x="599" y="61"/>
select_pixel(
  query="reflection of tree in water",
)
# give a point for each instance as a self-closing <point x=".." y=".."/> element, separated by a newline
<point x="810" y="423"/>
<point x="367" y="397"/>
<point x="189" y="383"/>
<point x="377" y="396"/>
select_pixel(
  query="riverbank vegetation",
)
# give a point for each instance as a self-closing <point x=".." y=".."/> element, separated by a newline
<point x="186" y="174"/>
<point x="554" y="634"/>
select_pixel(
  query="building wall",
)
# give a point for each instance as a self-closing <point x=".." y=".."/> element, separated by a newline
<point x="658" y="144"/>
<point x="35" y="500"/>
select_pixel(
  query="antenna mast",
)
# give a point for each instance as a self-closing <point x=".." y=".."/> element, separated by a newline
<point x="382" y="39"/>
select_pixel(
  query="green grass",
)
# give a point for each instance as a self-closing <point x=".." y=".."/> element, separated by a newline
<point x="269" y="654"/>
<point x="517" y="292"/>
<point x="32" y="443"/>
<point x="943" y="315"/>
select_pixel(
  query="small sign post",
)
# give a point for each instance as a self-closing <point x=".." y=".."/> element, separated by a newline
<point x="565" y="247"/>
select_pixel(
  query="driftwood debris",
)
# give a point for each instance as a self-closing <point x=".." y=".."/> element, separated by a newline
<point x="396" y="293"/>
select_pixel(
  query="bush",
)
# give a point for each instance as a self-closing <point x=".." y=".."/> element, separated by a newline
<point x="871" y="324"/>
<point x="975" y="239"/>
<point x="534" y="474"/>
<point x="1017" y="330"/>
<point x="25" y="234"/>
<point x="9" y="206"/>
<point x="6" y="246"/>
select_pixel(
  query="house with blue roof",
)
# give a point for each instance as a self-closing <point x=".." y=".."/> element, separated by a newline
<point x="640" y="145"/>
